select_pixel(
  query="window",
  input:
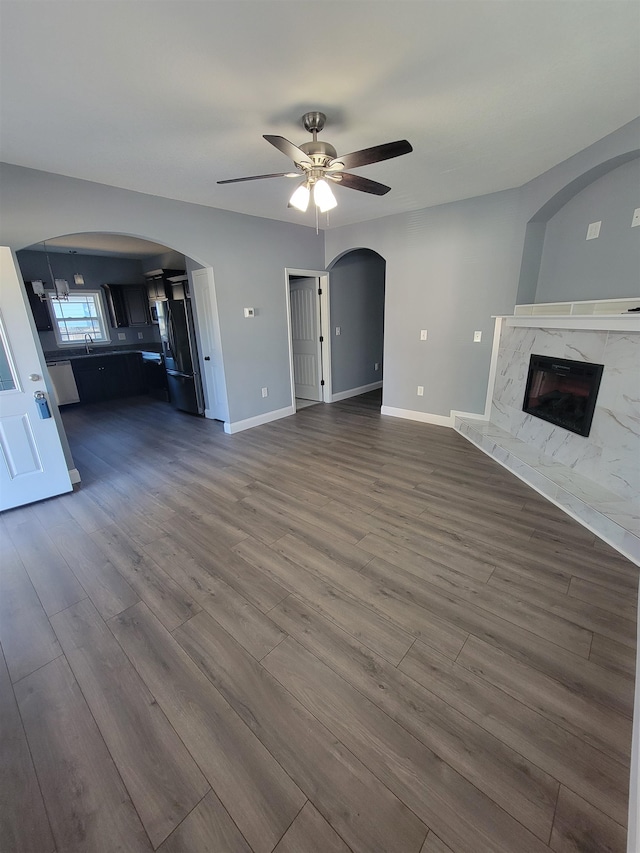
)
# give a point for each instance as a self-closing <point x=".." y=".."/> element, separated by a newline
<point x="82" y="314"/>
<point x="7" y="370"/>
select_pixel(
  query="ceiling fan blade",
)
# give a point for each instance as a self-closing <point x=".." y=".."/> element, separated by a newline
<point x="374" y="155"/>
<point x="296" y="154"/>
<point x="260" y="177"/>
<point x="355" y="182"/>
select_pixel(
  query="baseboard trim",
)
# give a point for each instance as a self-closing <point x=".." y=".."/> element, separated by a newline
<point x="258" y="420"/>
<point x="74" y="476"/>
<point x="423" y="417"/>
<point x="475" y="416"/>
<point x="355" y="392"/>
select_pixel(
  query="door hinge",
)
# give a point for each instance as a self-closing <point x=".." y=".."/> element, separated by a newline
<point x="322" y="382"/>
<point x="319" y="291"/>
<point x="321" y="339"/>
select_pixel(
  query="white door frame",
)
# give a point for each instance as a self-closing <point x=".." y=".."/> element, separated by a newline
<point x="325" y="329"/>
<point x="212" y="371"/>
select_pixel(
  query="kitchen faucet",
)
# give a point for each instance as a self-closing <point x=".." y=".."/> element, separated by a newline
<point x="87" y="342"/>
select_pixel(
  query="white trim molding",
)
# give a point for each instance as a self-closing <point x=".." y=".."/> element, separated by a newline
<point x="476" y="416"/>
<point x="238" y="426"/>
<point x="423" y="417"/>
<point x="606" y="322"/>
<point x="354" y="392"/>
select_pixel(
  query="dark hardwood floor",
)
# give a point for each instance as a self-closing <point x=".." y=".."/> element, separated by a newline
<point x="336" y="632"/>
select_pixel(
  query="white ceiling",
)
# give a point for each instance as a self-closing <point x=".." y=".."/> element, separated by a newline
<point x="168" y="97"/>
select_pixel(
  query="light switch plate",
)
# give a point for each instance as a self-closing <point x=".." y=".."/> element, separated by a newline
<point x="122" y="336"/>
<point x="420" y="390"/>
<point x="337" y="330"/>
<point x="593" y="231"/>
<point x="477" y="337"/>
<point x="423" y="334"/>
<point x="636" y="218"/>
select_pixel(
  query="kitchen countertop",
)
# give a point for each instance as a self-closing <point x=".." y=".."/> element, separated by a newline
<point x="51" y="358"/>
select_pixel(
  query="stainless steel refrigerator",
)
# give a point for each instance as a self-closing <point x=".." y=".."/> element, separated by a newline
<point x="180" y="350"/>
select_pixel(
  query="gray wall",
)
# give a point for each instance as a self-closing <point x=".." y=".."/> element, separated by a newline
<point x="573" y="267"/>
<point x="357" y="307"/>
<point x="449" y="268"/>
<point x="248" y="256"/>
<point x="97" y="270"/>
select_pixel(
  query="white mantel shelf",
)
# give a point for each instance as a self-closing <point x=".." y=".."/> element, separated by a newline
<point x="605" y="322"/>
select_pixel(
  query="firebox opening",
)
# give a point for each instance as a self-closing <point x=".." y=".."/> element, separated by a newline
<point x="562" y="392"/>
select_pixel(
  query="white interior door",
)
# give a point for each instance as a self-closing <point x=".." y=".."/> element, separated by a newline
<point x="32" y="463"/>
<point x="305" y="338"/>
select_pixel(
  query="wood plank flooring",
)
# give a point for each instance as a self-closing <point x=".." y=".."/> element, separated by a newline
<point x="336" y="632"/>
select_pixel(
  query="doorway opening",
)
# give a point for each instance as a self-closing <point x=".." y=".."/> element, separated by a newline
<point x="356" y="323"/>
<point x="307" y="296"/>
<point x="156" y="313"/>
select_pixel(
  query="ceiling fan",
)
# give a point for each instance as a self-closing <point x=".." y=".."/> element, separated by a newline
<point x="318" y="164"/>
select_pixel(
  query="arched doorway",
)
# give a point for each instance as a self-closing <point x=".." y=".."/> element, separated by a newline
<point x="114" y="281"/>
<point x="357" y="300"/>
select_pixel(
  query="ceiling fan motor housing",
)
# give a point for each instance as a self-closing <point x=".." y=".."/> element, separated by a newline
<point x="320" y="152"/>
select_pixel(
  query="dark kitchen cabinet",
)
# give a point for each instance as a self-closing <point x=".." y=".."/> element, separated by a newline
<point x="156" y="289"/>
<point x="116" y="307"/>
<point x="127" y="305"/>
<point x="159" y="283"/>
<point x="155" y="379"/>
<point x="39" y="309"/>
<point x="137" y="306"/>
<point x="108" y="377"/>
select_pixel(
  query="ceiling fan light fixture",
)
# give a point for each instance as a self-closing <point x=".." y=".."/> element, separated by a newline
<point x="323" y="197"/>
<point x="300" y="198"/>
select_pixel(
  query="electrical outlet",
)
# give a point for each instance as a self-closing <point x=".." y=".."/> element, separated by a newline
<point x="420" y="390"/>
<point x="593" y="231"/>
<point x="477" y="337"/>
<point x="122" y="336"/>
<point x="337" y="330"/>
<point x="265" y="392"/>
<point x="249" y="312"/>
<point x="636" y="218"/>
<point x="140" y="336"/>
<point x="376" y="366"/>
<point x="423" y="334"/>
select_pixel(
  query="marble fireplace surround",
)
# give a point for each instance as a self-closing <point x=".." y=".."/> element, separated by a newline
<point x="595" y="479"/>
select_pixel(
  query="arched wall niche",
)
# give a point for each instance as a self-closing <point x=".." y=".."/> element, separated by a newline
<point x="537" y="225"/>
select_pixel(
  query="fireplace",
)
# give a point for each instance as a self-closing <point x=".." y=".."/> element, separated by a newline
<point x="562" y="392"/>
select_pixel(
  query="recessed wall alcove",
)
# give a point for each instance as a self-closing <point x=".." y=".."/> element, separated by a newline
<point x="529" y="282"/>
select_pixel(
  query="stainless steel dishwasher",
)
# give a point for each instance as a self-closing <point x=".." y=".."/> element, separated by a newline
<point x="64" y="383"/>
